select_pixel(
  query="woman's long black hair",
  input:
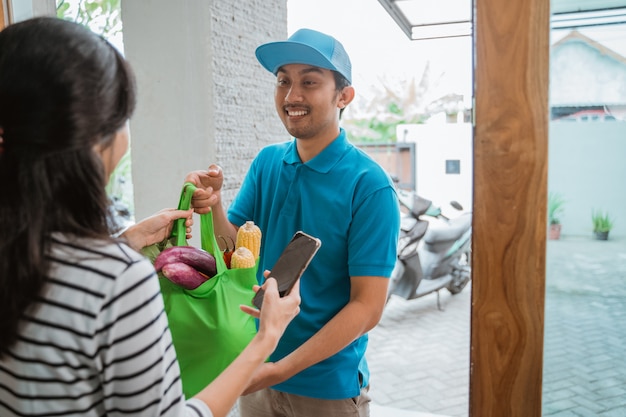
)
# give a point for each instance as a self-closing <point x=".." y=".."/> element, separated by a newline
<point x="63" y="89"/>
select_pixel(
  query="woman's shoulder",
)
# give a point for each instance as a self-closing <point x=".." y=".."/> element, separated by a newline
<point x="104" y="257"/>
<point x="84" y="246"/>
<point x="95" y="273"/>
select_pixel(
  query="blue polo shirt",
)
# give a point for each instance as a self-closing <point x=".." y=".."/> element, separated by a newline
<point x="347" y="200"/>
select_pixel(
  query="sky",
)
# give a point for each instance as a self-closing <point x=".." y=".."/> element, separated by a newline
<point x="379" y="49"/>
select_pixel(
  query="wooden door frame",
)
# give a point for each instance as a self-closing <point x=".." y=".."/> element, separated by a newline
<point x="4" y="13"/>
<point x="511" y="53"/>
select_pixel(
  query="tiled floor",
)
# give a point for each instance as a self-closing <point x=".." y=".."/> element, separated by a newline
<point x="419" y="356"/>
<point x="380" y="411"/>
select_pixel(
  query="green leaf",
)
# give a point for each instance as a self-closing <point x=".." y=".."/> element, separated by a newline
<point x="555" y="207"/>
<point x="62" y="8"/>
<point x="602" y="222"/>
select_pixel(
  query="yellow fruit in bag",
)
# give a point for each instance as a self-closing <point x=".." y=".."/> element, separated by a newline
<point x="242" y="258"/>
<point x="249" y="236"/>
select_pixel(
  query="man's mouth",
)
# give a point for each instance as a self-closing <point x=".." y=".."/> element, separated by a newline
<point x="296" y="113"/>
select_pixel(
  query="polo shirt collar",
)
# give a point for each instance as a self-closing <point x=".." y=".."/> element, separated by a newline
<point x="326" y="159"/>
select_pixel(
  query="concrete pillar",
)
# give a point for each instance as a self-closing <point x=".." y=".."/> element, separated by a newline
<point x="203" y="97"/>
<point x="172" y="129"/>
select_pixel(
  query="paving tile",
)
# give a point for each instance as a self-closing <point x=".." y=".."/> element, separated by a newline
<point x="424" y="351"/>
<point x="612" y="413"/>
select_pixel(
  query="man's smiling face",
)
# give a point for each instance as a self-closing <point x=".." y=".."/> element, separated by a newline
<point x="307" y="101"/>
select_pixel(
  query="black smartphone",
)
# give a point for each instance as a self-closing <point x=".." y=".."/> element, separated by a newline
<point x="291" y="264"/>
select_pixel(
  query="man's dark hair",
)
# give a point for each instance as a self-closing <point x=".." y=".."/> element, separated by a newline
<point x="340" y="83"/>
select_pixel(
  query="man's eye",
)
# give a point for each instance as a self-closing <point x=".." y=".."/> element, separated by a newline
<point x="281" y="82"/>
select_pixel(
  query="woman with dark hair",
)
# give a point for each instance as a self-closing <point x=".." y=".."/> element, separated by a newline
<point x="82" y="324"/>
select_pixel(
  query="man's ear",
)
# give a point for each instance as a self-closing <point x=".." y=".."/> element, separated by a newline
<point x="345" y="97"/>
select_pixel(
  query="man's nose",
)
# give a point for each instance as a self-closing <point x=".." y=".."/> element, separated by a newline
<point x="294" y="94"/>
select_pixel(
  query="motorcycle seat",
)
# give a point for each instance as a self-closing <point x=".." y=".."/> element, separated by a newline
<point x="449" y="232"/>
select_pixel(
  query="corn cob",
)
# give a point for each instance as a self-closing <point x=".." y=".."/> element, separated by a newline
<point x="249" y="236"/>
<point x="242" y="258"/>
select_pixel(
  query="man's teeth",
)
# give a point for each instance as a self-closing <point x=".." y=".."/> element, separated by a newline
<point x="296" y="112"/>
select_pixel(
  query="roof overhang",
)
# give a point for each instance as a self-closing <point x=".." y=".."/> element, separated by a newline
<point x="421" y="19"/>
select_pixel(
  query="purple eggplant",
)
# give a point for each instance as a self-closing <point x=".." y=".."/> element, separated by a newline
<point x="201" y="260"/>
<point x="184" y="275"/>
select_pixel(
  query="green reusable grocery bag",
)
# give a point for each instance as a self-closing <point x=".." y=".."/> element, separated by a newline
<point x="208" y="328"/>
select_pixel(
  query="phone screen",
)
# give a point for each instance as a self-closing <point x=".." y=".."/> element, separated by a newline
<point x="291" y="264"/>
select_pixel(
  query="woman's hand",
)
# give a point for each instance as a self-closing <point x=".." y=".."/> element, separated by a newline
<point x="277" y="311"/>
<point x="156" y="228"/>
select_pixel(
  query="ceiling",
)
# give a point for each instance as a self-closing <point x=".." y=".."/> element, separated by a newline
<point x="424" y="19"/>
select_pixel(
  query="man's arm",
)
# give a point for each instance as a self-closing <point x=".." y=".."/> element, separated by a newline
<point x="368" y="295"/>
<point x="222" y="226"/>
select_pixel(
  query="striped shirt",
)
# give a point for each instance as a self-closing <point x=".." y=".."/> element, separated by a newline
<point x="97" y="342"/>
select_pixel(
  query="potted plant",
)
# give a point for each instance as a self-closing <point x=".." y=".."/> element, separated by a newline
<point x="602" y="224"/>
<point x="555" y="210"/>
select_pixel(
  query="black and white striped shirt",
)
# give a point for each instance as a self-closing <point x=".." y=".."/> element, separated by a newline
<point x="96" y="343"/>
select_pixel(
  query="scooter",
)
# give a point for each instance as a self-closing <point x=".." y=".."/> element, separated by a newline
<point x="434" y="251"/>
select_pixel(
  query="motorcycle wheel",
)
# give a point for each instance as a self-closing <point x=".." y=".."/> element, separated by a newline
<point x="457" y="284"/>
<point x="462" y="274"/>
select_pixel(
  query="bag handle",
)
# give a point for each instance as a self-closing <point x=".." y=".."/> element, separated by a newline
<point x="207" y="231"/>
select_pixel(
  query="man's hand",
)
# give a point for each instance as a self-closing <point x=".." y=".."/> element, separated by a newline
<point x="209" y="186"/>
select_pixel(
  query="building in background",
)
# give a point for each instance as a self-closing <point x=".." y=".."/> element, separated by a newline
<point x="586" y="78"/>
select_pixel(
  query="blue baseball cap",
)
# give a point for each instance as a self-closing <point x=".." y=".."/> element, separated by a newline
<point x="306" y="46"/>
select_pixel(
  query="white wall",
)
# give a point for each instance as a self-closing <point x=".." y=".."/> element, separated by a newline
<point x="585" y="165"/>
<point x="435" y="144"/>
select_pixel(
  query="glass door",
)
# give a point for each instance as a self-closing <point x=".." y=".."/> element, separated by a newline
<point x="585" y="331"/>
